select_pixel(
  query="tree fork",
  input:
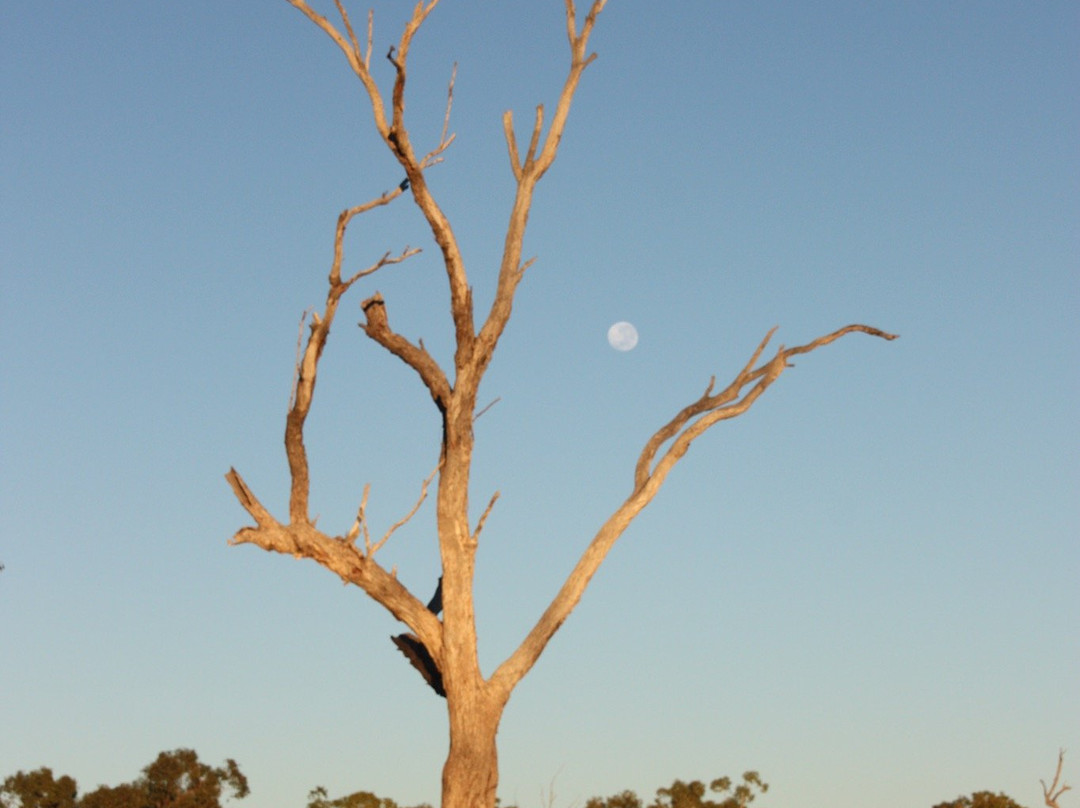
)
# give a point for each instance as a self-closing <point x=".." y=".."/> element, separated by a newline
<point x="474" y="704"/>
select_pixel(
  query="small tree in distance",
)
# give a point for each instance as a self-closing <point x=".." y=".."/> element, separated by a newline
<point x="691" y="795"/>
<point x="176" y="779"/>
<point x="38" y="789"/>
<point x="988" y="799"/>
<point x="982" y="799"/>
<point x="445" y="650"/>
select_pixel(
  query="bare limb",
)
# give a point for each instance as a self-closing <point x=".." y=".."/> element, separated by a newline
<point x="420" y="501"/>
<point x="248" y="500"/>
<point x="511" y="143"/>
<point x="433" y="156"/>
<point x="396" y="138"/>
<point x="487" y="407"/>
<point x="342" y="558"/>
<point x="299" y="352"/>
<point x="681" y="430"/>
<point x="358" y="62"/>
<point x="377" y="327"/>
<point x="370" y="36"/>
<point x="710" y="409"/>
<point x="307" y="366"/>
<point x="348" y="27"/>
<point x="527" y="173"/>
<point x="534" y="139"/>
<point x="360" y="524"/>
<point x="484" y="516"/>
<point x="1053" y="791"/>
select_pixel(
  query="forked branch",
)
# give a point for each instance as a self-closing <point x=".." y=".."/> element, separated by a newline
<point x="340" y="556"/>
<point x="527" y="172"/>
<point x="299" y="536"/>
<point x="1053" y="791"/>
<point x="395" y="135"/>
<point x="685" y="427"/>
<point x="711" y="408"/>
<point x="308" y="362"/>
<point x="360" y="525"/>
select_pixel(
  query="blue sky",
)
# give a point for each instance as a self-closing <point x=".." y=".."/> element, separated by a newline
<point x="866" y="588"/>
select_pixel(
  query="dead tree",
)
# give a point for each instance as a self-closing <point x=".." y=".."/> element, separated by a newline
<point x="447" y="647"/>
<point x="1053" y="791"/>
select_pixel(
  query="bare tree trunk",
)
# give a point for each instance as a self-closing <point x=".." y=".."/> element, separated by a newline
<point x="471" y="772"/>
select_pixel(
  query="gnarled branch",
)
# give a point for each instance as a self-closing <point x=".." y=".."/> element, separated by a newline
<point x="343" y="558"/>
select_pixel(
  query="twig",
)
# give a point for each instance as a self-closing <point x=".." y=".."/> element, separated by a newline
<point x="420" y="501"/>
<point x="484" y="516"/>
<point x="434" y="156"/>
<point x="299" y="349"/>
<point x="348" y="27"/>
<point x="488" y="407"/>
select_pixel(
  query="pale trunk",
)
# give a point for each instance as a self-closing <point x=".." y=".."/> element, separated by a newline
<point x="471" y="773"/>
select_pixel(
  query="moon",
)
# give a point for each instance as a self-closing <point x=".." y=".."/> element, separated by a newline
<point x="622" y="336"/>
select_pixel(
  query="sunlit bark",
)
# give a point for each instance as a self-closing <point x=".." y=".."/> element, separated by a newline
<point x="474" y="703"/>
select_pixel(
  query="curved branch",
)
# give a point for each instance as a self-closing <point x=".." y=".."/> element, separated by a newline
<point x="357" y="61"/>
<point x="308" y="362"/>
<point x="682" y="430"/>
<point x="378" y="328"/>
<point x="527" y="173"/>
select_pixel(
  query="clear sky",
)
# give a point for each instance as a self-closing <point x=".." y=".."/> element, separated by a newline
<point x="867" y="588"/>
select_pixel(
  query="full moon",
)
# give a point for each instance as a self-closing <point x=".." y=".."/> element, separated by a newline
<point x="622" y="336"/>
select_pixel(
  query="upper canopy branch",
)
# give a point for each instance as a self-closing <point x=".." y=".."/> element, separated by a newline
<point x="579" y="42"/>
<point x="395" y="135"/>
<point x="527" y="172"/>
<point x="710" y="408"/>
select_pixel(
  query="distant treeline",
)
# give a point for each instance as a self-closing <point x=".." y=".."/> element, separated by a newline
<point x="178" y="779"/>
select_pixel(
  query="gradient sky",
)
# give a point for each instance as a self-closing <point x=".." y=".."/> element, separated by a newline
<point x="866" y="588"/>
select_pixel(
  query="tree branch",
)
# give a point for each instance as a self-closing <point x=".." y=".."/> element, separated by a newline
<point x="1051" y="793"/>
<point x="396" y="137"/>
<point x="340" y="556"/>
<point x="527" y="174"/>
<point x="357" y="61"/>
<point x="484" y="516"/>
<point x="377" y="327"/>
<point x="371" y="550"/>
<point x="682" y="430"/>
<point x="511" y="143"/>
<point x="299" y="537"/>
<point x="308" y="362"/>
